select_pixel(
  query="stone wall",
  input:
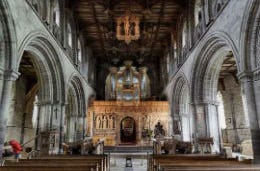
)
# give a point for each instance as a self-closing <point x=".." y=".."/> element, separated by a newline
<point x="236" y="120"/>
<point x="222" y="34"/>
<point x="31" y="33"/>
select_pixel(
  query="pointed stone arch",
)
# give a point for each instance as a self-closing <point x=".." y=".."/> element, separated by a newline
<point x="7" y="38"/>
<point x="181" y="109"/>
<point x="180" y="82"/>
<point x="216" y="42"/>
<point x="77" y="96"/>
<point x="76" y="84"/>
<point x="250" y="37"/>
<point x="205" y="77"/>
<point x="250" y="75"/>
<point x="50" y="74"/>
<point x="8" y="52"/>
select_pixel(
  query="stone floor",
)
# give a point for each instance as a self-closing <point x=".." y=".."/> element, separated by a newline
<point x="118" y="161"/>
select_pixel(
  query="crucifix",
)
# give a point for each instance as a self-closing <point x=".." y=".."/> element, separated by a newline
<point x="130" y="25"/>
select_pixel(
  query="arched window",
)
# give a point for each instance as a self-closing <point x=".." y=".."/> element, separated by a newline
<point x="69" y="33"/>
<point x="56" y="13"/>
<point x="174" y="47"/>
<point x="79" y="52"/>
<point x="186" y="118"/>
<point x="175" y="50"/>
<point x="35" y="112"/>
<point x="197" y="12"/>
<point x="168" y="63"/>
<point x="184" y="34"/>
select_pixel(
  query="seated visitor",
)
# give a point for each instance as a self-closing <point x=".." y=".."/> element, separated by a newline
<point x="16" y="147"/>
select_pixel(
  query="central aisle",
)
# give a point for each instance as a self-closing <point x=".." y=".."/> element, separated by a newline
<point x="118" y="161"/>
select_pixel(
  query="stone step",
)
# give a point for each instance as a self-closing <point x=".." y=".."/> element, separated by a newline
<point x="127" y="149"/>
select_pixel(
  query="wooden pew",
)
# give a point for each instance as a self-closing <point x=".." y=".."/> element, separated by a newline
<point x="60" y="163"/>
<point x="196" y="163"/>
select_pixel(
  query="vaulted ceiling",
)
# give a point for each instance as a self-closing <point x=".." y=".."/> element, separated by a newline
<point x="97" y="22"/>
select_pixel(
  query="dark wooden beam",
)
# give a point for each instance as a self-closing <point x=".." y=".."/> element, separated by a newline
<point x="158" y="26"/>
<point x="228" y="68"/>
<point x="98" y="27"/>
<point x="181" y="3"/>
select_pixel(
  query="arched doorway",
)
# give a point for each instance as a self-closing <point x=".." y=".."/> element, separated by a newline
<point x="128" y="130"/>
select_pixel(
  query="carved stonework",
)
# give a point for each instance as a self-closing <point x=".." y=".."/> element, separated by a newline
<point x="49" y="142"/>
<point x="107" y="118"/>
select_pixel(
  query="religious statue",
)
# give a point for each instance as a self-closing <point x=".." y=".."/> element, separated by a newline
<point x="110" y="122"/>
<point x="159" y="132"/>
<point x="98" y="122"/>
<point x="176" y="127"/>
<point x="105" y="122"/>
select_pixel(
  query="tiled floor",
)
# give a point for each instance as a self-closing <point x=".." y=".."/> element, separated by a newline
<point x="118" y="161"/>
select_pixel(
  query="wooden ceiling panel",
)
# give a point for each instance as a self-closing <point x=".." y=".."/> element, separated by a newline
<point x="97" y="20"/>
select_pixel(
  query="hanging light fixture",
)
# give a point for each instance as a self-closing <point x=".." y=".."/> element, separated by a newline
<point x="127" y="28"/>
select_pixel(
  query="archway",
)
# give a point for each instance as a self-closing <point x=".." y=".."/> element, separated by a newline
<point x="22" y="118"/>
<point x="38" y="95"/>
<point x="7" y="73"/>
<point x="75" y="121"/>
<point x="128" y="130"/>
<point x="70" y="119"/>
<point x="183" y="120"/>
<point x="215" y="73"/>
<point x="250" y="52"/>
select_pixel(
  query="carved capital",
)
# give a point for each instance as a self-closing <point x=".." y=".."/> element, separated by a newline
<point x="9" y="75"/>
<point x="245" y="76"/>
<point x="256" y="74"/>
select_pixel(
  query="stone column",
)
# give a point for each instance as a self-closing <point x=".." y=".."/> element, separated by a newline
<point x="251" y="90"/>
<point x="200" y="120"/>
<point x="91" y="120"/>
<point x="48" y="134"/>
<point x="170" y="125"/>
<point x="206" y="123"/>
<point x="46" y="112"/>
<point x="61" y="127"/>
<point x="84" y="125"/>
<point x="80" y="128"/>
<point x="8" y="78"/>
<point x="213" y="125"/>
<point x="36" y="144"/>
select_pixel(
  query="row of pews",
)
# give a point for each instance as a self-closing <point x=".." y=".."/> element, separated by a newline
<point x="59" y="163"/>
<point x="192" y="162"/>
